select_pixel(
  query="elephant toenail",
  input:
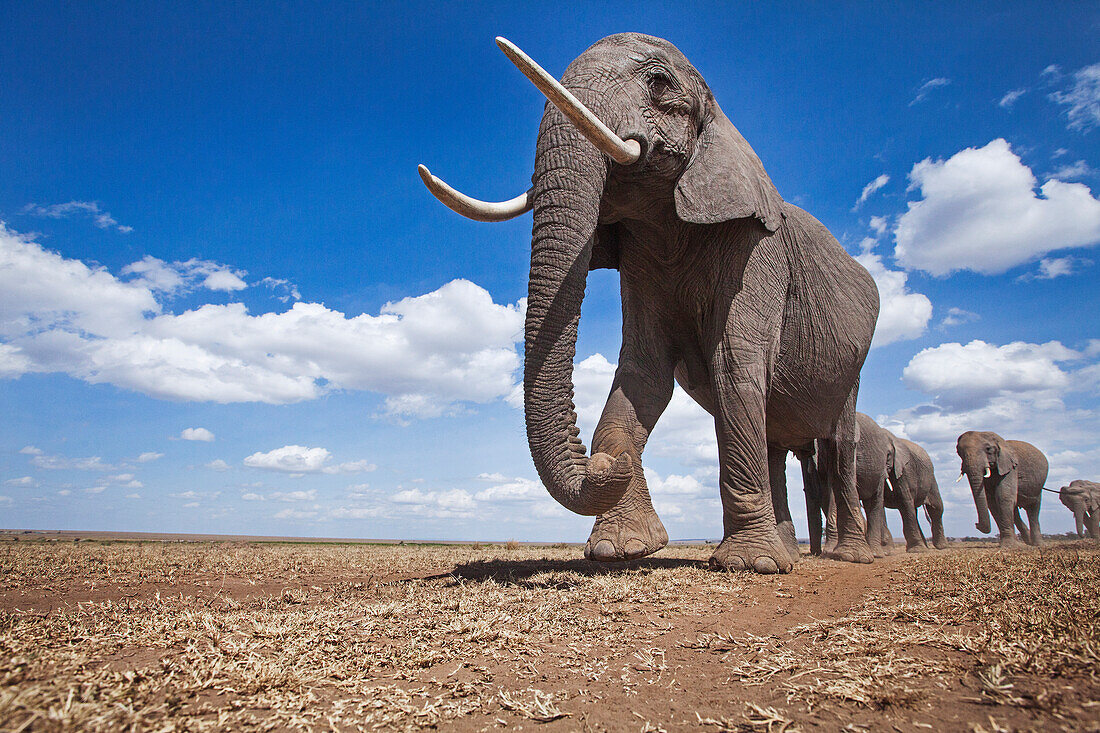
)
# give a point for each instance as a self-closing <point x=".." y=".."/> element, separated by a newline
<point x="604" y="551"/>
<point x="634" y="548"/>
<point x="765" y="566"/>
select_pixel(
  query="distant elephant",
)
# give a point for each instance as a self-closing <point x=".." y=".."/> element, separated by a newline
<point x="1083" y="499"/>
<point x="911" y="484"/>
<point x="744" y="299"/>
<point x="874" y="448"/>
<point x="1005" y="476"/>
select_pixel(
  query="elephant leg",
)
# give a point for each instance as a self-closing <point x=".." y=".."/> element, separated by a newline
<point x="851" y="530"/>
<point x="910" y="524"/>
<point x="1002" y="504"/>
<point x="639" y="394"/>
<point x="933" y="504"/>
<point x="1033" y="522"/>
<point x="887" y="540"/>
<point x="830" y="519"/>
<point x="750" y="536"/>
<point x="777" y="474"/>
<point x="814" y="505"/>
<point x="1021" y="526"/>
<point x="876" y="522"/>
<point x="1092" y="521"/>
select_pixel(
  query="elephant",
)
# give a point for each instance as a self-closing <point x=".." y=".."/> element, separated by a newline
<point x="911" y="483"/>
<point x="1005" y="476"/>
<point x="1083" y="499"/>
<point x="745" y="300"/>
<point x="873" y="443"/>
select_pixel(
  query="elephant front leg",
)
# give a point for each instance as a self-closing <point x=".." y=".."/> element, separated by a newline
<point x="1002" y="501"/>
<point x="876" y="524"/>
<point x="1092" y="522"/>
<point x="750" y="537"/>
<point x="631" y="529"/>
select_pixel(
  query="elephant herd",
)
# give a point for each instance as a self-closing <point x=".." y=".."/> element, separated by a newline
<point x="743" y="299"/>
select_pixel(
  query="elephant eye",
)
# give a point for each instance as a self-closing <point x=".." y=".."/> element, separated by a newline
<point x="659" y="84"/>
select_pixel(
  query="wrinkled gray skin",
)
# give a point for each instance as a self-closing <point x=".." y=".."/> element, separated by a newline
<point x="1083" y="499"/>
<point x="745" y="300"/>
<point x="1017" y="471"/>
<point x="912" y="484"/>
<point x="819" y="504"/>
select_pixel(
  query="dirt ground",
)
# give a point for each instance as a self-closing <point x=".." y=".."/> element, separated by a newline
<point x="149" y="635"/>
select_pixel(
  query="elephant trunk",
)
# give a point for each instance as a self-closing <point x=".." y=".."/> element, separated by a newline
<point x="568" y="185"/>
<point x="975" y="474"/>
<point x="1079" y="515"/>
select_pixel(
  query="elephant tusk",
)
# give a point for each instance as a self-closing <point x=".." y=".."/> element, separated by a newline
<point x="988" y="473"/>
<point x="960" y="478"/>
<point x="471" y="208"/>
<point x="621" y="151"/>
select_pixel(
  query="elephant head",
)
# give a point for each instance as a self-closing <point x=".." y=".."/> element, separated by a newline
<point x="631" y="132"/>
<point x="1083" y="499"/>
<point x="985" y="456"/>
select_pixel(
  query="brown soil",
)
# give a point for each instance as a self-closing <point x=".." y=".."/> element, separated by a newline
<point x="255" y="636"/>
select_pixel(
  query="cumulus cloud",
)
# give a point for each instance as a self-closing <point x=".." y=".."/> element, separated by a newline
<point x="870" y="188"/>
<point x="91" y="209"/>
<point x="298" y="459"/>
<point x="957" y="317"/>
<point x="979" y="212"/>
<point x="436" y="504"/>
<point x="197" y="434"/>
<point x="218" y="465"/>
<point x="973" y="374"/>
<point x="1082" y="99"/>
<point x="927" y="88"/>
<point x="902" y="314"/>
<point x="1052" y="267"/>
<point x="426" y="354"/>
<point x="148" y="457"/>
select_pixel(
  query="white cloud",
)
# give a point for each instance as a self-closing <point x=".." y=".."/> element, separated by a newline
<point x="133" y="496"/>
<point x="1010" y="98"/>
<point x="218" y="465"/>
<point x="102" y="219"/>
<point x="879" y="224"/>
<point x="252" y="496"/>
<point x="1052" y="267"/>
<point x="224" y="280"/>
<point x="64" y="492"/>
<point x="957" y="317"/>
<point x="30" y="450"/>
<point x="63" y="463"/>
<point x="1073" y="171"/>
<point x="902" y="314"/>
<point x="295" y="514"/>
<point x="870" y="189"/>
<point x="505" y="489"/>
<point x="974" y="374"/>
<point x="310" y="495"/>
<point x="927" y="87"/>
<point x="1083" y="99"/>
<point x="298" y="459"/>
<point x="197" y="434"/>
<point x="27" y="481"/>
<point x="979" y="212"/>
<point x="426" y="354"/>
<point x="149" y="456"/>
<point x="449" y="503"/>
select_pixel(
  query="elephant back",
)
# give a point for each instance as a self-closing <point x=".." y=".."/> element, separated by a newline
<point x="1031" y="464"/>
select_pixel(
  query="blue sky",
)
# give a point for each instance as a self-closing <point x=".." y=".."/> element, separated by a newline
<point x="227" y="303"/>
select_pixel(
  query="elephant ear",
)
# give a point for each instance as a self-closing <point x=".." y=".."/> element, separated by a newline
<point x="1006" y="462"/>
<point x="901" y="457"/>
<point x="725" y="180"/>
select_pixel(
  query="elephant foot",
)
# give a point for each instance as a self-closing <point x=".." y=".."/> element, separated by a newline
<point x="626" y="536"/>
<point x="762" y="553"/>
<point x="854" y="550"/>
<point x="916" y="548"/>
<point x="789" y="540"/>
<point x="1012" y="543"/>
<point x="940" y="543"/>
<point x="828" y="548"/>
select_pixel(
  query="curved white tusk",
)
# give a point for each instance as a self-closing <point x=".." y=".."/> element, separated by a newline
<point x="988" y="473"/>
<point x="472" y="208"/>
<point x="622" y="151"/>
<point x="960" y="478"/>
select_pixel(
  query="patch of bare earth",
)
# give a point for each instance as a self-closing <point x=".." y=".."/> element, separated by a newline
<point x="236" y="636"/>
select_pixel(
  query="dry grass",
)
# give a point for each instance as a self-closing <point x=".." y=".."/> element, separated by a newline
<point x="258" y="637"/>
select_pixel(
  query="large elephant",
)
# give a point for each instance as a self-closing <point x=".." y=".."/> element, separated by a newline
<point x="1083" y="499"/>
<point x="1005" y="476"/>
<point x="747" y="301"/>
<point x="912" y="484"/>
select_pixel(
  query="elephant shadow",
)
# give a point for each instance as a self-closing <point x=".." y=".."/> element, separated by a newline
<point x="558" y="572"/>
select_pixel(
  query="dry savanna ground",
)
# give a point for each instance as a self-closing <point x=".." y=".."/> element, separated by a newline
<point x="261" y="636"/>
